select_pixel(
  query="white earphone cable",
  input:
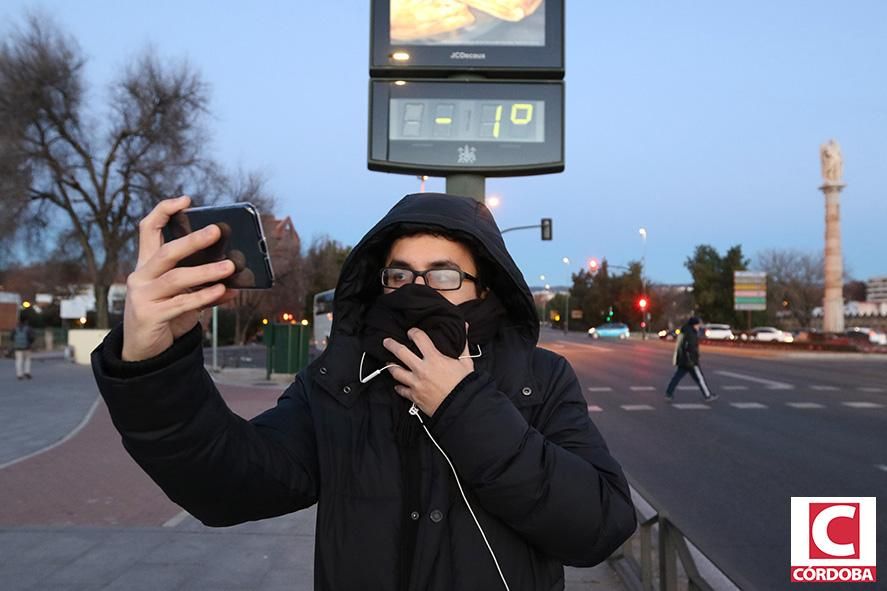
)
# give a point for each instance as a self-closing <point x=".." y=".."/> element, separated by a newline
<point x="415" y="412"/>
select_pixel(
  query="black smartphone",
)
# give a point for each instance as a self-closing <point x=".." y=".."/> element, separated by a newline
<point x="242" y="242"/>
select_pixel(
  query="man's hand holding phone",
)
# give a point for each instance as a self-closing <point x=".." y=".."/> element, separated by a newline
<point x="162" y="303"/>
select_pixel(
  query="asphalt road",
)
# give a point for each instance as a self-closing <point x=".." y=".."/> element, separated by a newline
<point x="725" y="471"/>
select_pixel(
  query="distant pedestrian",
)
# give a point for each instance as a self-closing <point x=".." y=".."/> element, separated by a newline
<point x="22" y="342"/>
<point x="686" y="359"/>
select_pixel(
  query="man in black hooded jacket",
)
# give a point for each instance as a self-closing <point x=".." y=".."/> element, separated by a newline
<point x="439" y="459"/>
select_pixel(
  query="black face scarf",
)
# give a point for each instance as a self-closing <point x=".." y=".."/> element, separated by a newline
<point x="419" y="306"/>
<point x="392" y="315"/>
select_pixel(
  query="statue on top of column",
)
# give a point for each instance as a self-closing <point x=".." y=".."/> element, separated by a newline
<point x="832" y="162"/>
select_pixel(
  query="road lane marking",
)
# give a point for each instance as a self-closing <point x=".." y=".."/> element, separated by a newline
<point x="62" y="441"/>
<point x="177" y="519"/>
<point x="600" y="389"/>
<point x="805" y="405"/>
<point x="734" y="387"/>
<point x="769" y="384"/>
<point x="636" y="407"/>
<point x="863" y="404"/>
<point x="824" y="388"/>
<point x="867" y="389"/>
<point x="691" y="406"/>
<point x="641" y="388"/>
<point x="688" y="387"/>
<point x="594" y="408"/>
<point x="881" y="467"/>
<point x="746" y="405"/>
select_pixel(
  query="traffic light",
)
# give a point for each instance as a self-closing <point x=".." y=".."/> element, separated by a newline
<point x="642" y="303"/>
<point x="546" y="229"/>
<point x="593" y="266"/>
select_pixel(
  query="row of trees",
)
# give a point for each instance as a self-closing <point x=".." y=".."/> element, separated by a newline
<point x="78" y="173"/>
<point x="794" y="290"/>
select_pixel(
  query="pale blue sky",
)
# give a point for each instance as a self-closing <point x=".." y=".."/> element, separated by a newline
<point x="699" y="120"/>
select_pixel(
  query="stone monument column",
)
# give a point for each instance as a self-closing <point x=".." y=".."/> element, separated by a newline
<point x="832" y="171"/>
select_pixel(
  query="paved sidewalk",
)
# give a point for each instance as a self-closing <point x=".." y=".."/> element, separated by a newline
<point x="81" y="516"/>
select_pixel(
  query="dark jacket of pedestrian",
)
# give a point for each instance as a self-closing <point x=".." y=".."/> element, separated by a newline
<point x="687" y="346"/>
<point x="390" y="516"/>
<point x="22" y="337"/>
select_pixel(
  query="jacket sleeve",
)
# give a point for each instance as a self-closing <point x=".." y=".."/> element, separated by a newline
<point x="692" y="350"/>
<point x="221" y="468"/>
<point x="558" y="485"/>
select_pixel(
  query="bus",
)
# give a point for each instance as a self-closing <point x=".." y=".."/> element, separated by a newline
<point x="323" y="318"/>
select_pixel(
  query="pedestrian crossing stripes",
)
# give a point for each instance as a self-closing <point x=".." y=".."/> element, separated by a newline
<point x="747" y="405"/>
<point x="690" y="406"/>
<point x="769" y="384"/>
<point x="737" y="405"/>
<point x="632" y="407"/>
<point x="737" y="387"/>
<point x="863" y="404"/>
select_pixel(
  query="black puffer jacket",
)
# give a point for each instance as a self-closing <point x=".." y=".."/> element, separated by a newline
<point x="536" y="470"/>
<point x="686" y="352"/>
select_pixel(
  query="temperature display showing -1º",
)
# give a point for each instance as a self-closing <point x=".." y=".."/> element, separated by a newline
<point x="478" y="120"/>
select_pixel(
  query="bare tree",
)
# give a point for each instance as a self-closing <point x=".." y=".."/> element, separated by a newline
<point x="323" y="263"/>
<point x="794" y="282"/>
<point x="90" y="177"/>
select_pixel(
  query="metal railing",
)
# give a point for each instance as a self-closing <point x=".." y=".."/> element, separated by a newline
<point x="659" y="557"/>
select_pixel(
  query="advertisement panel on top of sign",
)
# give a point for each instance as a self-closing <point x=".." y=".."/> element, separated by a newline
<point x="494" y="37"/>
<point x="472" y="22"/>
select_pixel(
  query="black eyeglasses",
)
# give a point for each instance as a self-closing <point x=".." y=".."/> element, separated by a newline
<point x="439" y="279"/>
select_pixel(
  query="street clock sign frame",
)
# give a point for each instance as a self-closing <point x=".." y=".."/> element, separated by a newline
<point x="492" y="38"/>
<point x="490" y="128"/>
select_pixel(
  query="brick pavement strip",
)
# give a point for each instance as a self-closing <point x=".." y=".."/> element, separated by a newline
<point x="82" y="516"/>
<point x="90" y="480"/>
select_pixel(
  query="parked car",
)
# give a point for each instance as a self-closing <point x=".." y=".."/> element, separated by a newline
<point x="870" y="335"/>
<point x="770" y="334"/>
<point x="611" y="330"/>
<point x="718" y="332"/>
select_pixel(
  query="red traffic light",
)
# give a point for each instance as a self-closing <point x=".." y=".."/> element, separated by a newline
<point x="642" y="303"/>
<point x="593" y="265"/>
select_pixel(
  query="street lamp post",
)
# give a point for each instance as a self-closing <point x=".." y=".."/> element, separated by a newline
<point x="566" y="261"/>
<point x="544" y="301"/>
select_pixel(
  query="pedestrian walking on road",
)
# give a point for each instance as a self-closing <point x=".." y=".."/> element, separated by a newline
<point x="22" y="342"/>
<point x="686" y="359"/>
<point x="443" y="448"/>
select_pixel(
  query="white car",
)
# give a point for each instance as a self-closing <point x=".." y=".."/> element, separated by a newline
<point x="718" y="332"/>
<point x="769" y="334"/>
<point x="873" y="336"/>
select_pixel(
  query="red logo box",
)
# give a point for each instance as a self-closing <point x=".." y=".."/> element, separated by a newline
<point x="833" y="539"/>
